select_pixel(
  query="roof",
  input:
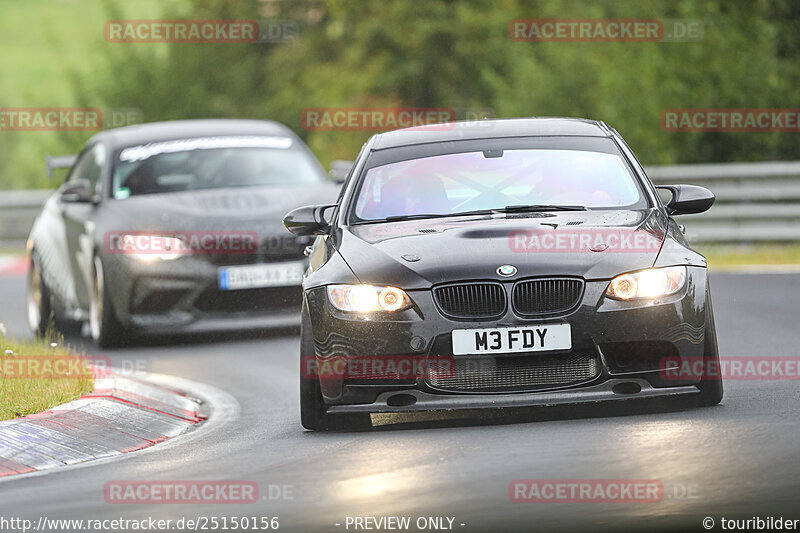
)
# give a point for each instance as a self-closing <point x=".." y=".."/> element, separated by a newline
<point x="512" y="127"/>
<point x="187" y="129"/>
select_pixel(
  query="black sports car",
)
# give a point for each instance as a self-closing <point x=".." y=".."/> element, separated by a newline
<point x="497" y="264"/>
<point x="175" y="226"/>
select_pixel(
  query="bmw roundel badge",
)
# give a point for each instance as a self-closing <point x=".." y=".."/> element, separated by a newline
<point x="507" y="270"/>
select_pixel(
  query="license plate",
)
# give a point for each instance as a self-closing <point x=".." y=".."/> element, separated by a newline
<point x="542" y="338"/>
<point x="258" y="276"/>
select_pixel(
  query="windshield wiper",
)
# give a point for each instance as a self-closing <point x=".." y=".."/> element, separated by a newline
<point x="395" y="218"/>
<point x="506" y="209"/>
<point x="540" y="207"/>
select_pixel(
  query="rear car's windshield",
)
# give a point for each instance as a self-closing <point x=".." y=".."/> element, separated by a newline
<point x="212" y="163"/>
<point x="494" y="179"/>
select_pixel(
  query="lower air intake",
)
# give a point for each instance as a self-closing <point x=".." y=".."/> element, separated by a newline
<point x="515" y="373"/>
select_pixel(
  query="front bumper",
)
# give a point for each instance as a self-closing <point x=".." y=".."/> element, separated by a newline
<point x="626" y="343"/>
<point x="183" y="295"/>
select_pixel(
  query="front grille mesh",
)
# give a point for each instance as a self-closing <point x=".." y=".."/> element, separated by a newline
<point x="214" y="300"/>
<point x="541" y="296"/>
<point x="515" y="373"/>
<point x="273" y="248"/>
<point x="471" y="300"/>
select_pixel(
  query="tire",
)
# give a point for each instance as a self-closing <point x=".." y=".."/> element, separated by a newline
<point x="313" y="411"/>
<point x="104" y="327"/>
<point x="312" y="408"/>
<point x="711" y="389"/>
<point x="38" y="300"/>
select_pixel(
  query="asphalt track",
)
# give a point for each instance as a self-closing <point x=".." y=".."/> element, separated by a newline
<point x="739" y="459"/>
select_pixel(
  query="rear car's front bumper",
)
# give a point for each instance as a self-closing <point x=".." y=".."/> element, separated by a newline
<point x="183" y="295"/>
<point x="618" y="352"/>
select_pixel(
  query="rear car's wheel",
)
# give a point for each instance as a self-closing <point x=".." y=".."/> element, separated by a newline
<point x="106" y="330"/>
<point x="313" y="412"/>
<point x="711" y="384"/>
<point x="39" y="306"/>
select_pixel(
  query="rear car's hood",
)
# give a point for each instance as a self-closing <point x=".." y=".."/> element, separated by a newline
<point x="259" y="209"/>
<point x="421" y="253"/>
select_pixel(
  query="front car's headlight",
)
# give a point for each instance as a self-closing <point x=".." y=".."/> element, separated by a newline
<point x="650" y="283"/>
<point x="367" y="298"/>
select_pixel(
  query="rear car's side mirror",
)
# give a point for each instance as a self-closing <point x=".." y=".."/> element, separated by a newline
<point x="308" y="220"/>
<point x="340" y="169"/>
<point x="687" y="199"/>
<point x="77" y="191"/>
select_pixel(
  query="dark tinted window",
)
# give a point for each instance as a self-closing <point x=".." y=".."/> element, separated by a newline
<point x="90" y="165"/>
<point x="453" y="183"/>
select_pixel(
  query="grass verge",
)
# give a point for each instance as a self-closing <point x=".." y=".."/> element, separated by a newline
<point x="38" y="375"/>
<point x="722" y="256"/>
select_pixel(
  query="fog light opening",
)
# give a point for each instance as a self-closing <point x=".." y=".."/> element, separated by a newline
<point x="628" y="387"/>
<point x="401" y="400"/>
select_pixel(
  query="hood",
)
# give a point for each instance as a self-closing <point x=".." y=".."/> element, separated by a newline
<point x="419" y="253"/>
<point x="259" y="209"/>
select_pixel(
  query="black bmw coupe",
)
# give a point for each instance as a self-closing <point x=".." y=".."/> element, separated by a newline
<point x="175" y="227"/>
<point x="496" y="264"/>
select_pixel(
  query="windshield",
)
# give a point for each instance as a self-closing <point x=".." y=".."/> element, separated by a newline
<point x="463" y="182"/>
<point x="212" y="163"/>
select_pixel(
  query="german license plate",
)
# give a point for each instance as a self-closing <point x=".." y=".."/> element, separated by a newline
<point x="258" y="276"/>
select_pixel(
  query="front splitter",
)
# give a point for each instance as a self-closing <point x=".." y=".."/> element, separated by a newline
<point x="425" y="401"/>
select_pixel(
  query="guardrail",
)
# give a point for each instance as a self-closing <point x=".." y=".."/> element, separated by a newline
<point x="18" y="209"/>
<point x="755" y="202"/>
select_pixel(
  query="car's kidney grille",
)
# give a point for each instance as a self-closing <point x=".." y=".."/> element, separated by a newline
<point x="541" y="296"/>
<point x="515" y="373"/>
<point x="471" y="300"/>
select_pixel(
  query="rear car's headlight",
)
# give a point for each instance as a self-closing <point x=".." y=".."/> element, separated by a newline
<point x="367" y="298"/>
<point x="151" y="247"/>
<point x="650" y="283"/>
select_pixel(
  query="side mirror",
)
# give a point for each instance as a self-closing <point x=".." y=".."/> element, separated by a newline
<point x="78" y="191"/>
<point x="308" y="220"/>
<point x="688" y="199"/>
<point x="340" y="170"/>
